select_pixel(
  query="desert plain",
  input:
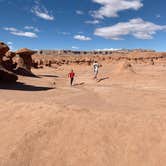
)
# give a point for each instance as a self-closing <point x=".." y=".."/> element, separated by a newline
<point x="117" y="120"/>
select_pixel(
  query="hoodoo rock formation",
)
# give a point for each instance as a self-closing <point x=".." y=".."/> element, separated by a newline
<point x="6" y="65"/>
<point x="8" y="62"/>
<point x="58" y="58"/>
<point x="21" y="61"/>
<point x="24" y="62"/>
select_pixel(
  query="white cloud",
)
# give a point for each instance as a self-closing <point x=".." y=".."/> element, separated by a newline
<point x="138" y="28"/>
<point x="75" y="47"/>
<point x="10" y="29"/>
<point x="109" y="49"/>
<point x="92" y="22"/>
<point x="82" y="37"/>
<point x="79" y="12"/>
<point x="24" y="34"/>
<point x="9" y="43"/>
<point x="110" y="8"/>
<point x="17" y="32"/>
<point x="41" y="11"/>
<point x="31" y="28"/>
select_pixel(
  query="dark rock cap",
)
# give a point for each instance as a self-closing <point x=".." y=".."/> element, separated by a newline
<point x="25" y="52"/>
<point x="3" y="48"/>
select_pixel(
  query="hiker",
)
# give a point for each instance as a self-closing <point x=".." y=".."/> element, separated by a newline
<point x="71" y="76"/>
<point x="95" y="69"/>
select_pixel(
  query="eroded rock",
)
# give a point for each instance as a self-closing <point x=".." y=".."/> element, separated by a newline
<point x="24" y="62"/>
<point x="3" y="49"/>
<point x="7" y="61"/>
<point x="7" y="76"/>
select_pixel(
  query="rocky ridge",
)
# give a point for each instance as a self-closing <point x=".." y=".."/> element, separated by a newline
<point x="58" y="58"/>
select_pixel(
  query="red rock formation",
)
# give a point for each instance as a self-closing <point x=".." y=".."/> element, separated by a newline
<point x="25" y="58"/>
<point x="3" y="49"/>
<point x="24" y="62"/>
<point x="58" y="58"/>
<point x="5" y="75"/>
<point x="10" y="54"/>
<point x="8" y="62"/>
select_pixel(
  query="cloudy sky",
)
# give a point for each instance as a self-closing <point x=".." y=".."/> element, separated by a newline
<point x="83" y="25"/>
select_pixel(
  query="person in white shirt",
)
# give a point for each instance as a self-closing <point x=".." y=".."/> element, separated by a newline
<point x="95" y="69"/>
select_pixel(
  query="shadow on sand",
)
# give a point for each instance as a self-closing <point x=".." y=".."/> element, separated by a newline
<point x="23" y="72"/>
<point x="48" y="76"/>
<point x="77" y="84"/>
<point x="23" y="87"/>
<point x="102" y="79"/>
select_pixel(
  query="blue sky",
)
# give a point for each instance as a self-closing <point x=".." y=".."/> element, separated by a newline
<point x="83" y="25"/>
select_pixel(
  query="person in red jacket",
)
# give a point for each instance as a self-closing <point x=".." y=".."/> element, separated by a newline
<point x="71" y="76"/>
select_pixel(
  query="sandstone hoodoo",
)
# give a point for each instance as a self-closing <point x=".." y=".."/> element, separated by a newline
<point x="24" y="63"/>
<point x="7" y="61"/>
<point x="58" y="58"/>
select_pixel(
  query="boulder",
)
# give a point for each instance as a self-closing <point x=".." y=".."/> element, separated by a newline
<point x="7" y="76"/>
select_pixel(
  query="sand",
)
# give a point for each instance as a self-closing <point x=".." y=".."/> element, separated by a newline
<point x="119" y="120"/>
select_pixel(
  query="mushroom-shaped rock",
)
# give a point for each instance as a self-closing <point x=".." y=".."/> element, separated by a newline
<point x="25" y="52"/>
<point x="7" y="76"/>
<point x="25" y="61"/>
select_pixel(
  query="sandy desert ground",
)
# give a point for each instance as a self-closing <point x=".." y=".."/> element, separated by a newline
<point x="118" y="121"/>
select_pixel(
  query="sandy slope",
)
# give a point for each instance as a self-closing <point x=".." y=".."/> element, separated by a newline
<point x="118" y="121"/>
